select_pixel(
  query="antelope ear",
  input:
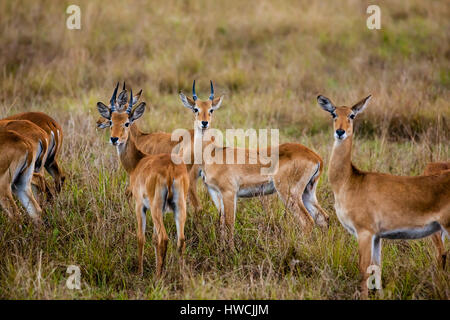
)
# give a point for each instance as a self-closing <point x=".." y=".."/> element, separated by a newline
<point x="326" y="104"/>
<point x="137" y="112"/>
<point x="187" y="102"/>
<point x="103" y="123"/>
<point x="361" y="105"/>
<point x="217" y="102"/>
<point x="104" y="111"/>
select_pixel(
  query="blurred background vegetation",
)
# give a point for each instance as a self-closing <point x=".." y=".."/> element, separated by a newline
<point x="271" y="59"/>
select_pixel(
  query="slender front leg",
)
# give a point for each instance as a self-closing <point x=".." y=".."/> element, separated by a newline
<point x="229" y="204"/>
<point x="365" y="254"/>
<point x="141" y="221"/>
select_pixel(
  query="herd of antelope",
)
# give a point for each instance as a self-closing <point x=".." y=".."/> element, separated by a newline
<point x="369" y="205"/>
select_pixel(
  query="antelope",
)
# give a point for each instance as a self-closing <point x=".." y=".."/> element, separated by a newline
<point x="438" y="238"/>
<point x="295" y="181"/>
<point x="156" y="182"/>
<point x="374" y="206"/>
<point x="17" y="160"/>
<point x="54" y="137"/>
<point x="39" y="138"/>
<point x="156" y="143"/>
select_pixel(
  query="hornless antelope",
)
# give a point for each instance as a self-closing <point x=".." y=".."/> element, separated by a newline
<point x="295" y="181"/>
<point x="155" y="181"/>
<point x="438" y="238"/>
<point x="17" y="159"/>
<point x="54" y="138"/>
<point x="373" y="205"/>
<point x="39" y="138"/>
<point x="156" y="143"/>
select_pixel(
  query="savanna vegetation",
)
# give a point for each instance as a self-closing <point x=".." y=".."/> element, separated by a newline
<point x="271" y="60"/>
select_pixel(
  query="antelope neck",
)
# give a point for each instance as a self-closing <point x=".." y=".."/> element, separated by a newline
<point x="199" y="144"/>
<point x="129" y="154"/>
<point x="340" y="167"/>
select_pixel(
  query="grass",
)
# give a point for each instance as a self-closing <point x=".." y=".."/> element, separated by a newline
<point x="271" y="60"/>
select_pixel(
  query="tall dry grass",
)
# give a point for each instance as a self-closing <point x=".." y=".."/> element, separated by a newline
<point x="271" y="59"/>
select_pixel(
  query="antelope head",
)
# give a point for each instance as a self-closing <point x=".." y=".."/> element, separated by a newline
<point x="120" y="106"/>
<point x="343" y="116"/>
<point x="120" y="122"/>
<point x="202" y="109"/>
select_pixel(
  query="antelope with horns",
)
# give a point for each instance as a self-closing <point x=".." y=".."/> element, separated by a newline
<point x="156" y="143"/>
<point x="156" y="182"/>
<point x="17" y="160"/>
<point x="54" y="137"/>
<point x="295" y="181"/>
<point x="438" y="238"/>
<point x="373" y="206"/>
<point x="39" y="138"/>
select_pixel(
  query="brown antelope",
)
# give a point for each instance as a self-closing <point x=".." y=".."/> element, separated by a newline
<point x="438" y="238"/>
<point x="373" y="205"/>
<point x="295" y="181"/>
<point x="54" y="137"/>
<point x="156" y="143"/>
<point x="156" y="182"/>
<point x="39" y="138"/>
<point x="17" y="160"/>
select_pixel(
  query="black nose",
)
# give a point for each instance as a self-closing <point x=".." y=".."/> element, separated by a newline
<point x="340" y="132"/>
<point x="205" y="124"/>
<point x="114" y="140"/>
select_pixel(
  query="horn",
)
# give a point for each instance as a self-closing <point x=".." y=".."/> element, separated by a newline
<point x="194" y="95"/>
<point x="130" y="105"/>
<point x="211" y="96"/>
<point x="136" y="100"/>
<point x="113" y="99"/>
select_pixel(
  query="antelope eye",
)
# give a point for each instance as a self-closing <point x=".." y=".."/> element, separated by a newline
<point x="195" y="110"/>
<point x="127" y="124"/>
<point x="211" y="111"/>
<point x="110" y="122"/>
<point x="334" y="115"/>
<point x="352" y="116"/>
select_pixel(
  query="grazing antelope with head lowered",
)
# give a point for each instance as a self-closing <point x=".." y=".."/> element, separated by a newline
<point x="17" y="159"/>
<point x="155" y="143"/>
<point x="438" y="238"/>
<point x="39" y="138"/>
<point x="295" y="181"/>
<point x="155" y="181"/>
<point x="54" y="137"/>
<point x="372" y="205"/>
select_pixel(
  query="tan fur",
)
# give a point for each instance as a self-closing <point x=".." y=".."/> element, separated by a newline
<point x="49" y="125"/>
<point x="39" y="137"/>
<point x="297" y="166"/>
<point x="157" y="184"/>
<point x="18" y="156"/>
<point x="370" y="204"/>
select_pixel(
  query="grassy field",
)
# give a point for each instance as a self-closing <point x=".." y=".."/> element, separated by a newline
<point x="271" y="60"/>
